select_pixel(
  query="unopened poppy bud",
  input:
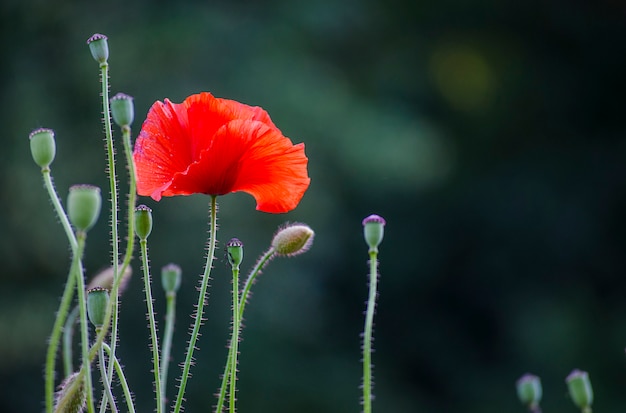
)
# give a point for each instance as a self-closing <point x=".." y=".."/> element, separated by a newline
<point x="171" y="275"/>
<point x="143" y="222"/>
<point x="105" y="279"/>
<point x="235" y="252"/>
<point x="83" y="206"/>
<point x="97" y="302"/>
<point x="99" y="47"/>
<point x="580" y="390"/>
<point x="42" y="146"/>
<point x="373" y="230"/>
<point x="293" y="239"/>
<point x="529" y="390"/>
<point x="72" y="394"/>
<point x="122" y="109"/>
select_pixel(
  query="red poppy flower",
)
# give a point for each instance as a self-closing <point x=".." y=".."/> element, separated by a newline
<point x="217" y="146"/>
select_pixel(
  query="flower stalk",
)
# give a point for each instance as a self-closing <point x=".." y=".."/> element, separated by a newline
<point x="235" y="256"/>
<point x="143" y="228"/>
<point x="289" y="241"/>
<point x="373" y="230"/>
<point x="245" y="292"/>
<point x="200" y="306"/>
<point x="120" y="374"/>
<point x="170" y="278"/>
<point x="82" y="305"/>
<point x="100" y="51"/>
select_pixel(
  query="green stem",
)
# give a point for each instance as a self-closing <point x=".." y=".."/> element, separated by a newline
<point x="68" y="293"/>
<point x="367" y="336"/>
<point x="104" y="79"/>
<point x="242" y="304"/>
<point x="132" y="198"/>
<point x="68" y="338"/>
<point x="122" y="377"/>
<point x="84" y="326"/>
<point x="105" y="383"/>
<point x="252" y="278"/>
<point x="55" y="338"/>
<point x="170" y="317"/>
<point x="200" y="307"/>
<point x="56" y="202"/>
<point x="93" y="352"/>
<point x="130" y="245"/>
<point x="234" y="340"/>
<point x="153" y="333"/>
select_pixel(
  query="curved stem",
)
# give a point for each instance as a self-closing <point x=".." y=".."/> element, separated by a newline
<point x="68" y="338"/>
<point x="170" y="317"/>
<point x="55" y="337"/>
<point x="58" y="207"/>
<point x="85" y="370"/>
<point x="252" y="278"/>
<point x="105" y="383"/>
<point x="84" y="326"/>
<point x="68" y="292"/>
<point x="153" y="333"/>
<point x="200" y="306"/>
<point x="242" y="304"/>
<point x="122" y="377"/>
<point x="367" y="336"/>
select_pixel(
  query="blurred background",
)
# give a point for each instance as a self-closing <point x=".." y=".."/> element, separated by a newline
<point x="490" y="135"/>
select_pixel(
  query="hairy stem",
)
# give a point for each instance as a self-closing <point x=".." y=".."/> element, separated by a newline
<point x="200" y="306"/>
<point x="367" y="335"/>
<point x="122" y="377"/>
<point x="84" y="326"/>
<point x="242" y="303"/>
<point x="66" y="299"/>
<point x="105" y="383"/>
<point x="153" y="333"/>
<point x="170" y="316"/>
<point x="234" y="341"/>
<point x="110" y="150"/>
<point x="55" y="337"/>
<point x="68" y="338"/>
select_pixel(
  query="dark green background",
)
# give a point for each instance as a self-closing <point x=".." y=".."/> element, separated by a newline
<point x="489" y="134"/>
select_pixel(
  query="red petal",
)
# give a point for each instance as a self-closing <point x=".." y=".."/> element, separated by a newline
<point x="251" y="157"/>
<point x="274" y="173"/>
<point x="207" y="114"/>
<point x="216" y="146"/>
<point x="162" y="148"/>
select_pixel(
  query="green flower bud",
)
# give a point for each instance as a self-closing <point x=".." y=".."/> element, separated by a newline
<point x="42" y="146"/>
<point x="293" y="239"/>
<point x="83" y="206"/>
<point x="143" y="222"/>
<point x="529" y="390"/>
<point x="97" y="302"/>
<point x="171" y="276"/>
<point x="99" y="47"/>
<point x="122" y="109"/>
<point x="373" y="230"/>
<point x="105" y="278"/>
<point x="72" y="395"/>
<point x="580" y="390"/>
<point x="235" y="252"/>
